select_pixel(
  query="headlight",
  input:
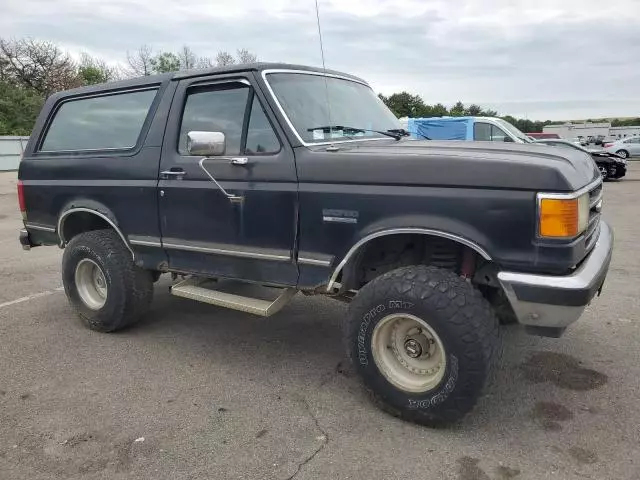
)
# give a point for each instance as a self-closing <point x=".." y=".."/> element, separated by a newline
<point x="560" y="216"/>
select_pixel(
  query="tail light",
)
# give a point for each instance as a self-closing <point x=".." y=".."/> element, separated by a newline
<point x="21" y="203"/>
<point x="607" y="144"/>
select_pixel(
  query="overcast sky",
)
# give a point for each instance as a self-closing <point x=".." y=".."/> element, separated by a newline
<point x="540" y="59"/>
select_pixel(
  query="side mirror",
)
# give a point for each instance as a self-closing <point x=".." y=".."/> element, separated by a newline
<point x="508" y="138"/>
<point x="206" y="144"/>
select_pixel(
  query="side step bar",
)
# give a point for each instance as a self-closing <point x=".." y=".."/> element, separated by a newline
<point x="190" y="288"/>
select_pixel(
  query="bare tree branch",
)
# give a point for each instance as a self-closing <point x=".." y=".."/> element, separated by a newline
<point x="141" y="61"/>
<point x="40" y="66"/>
<point x="187" y="58"/>
<point x="224" y="58"/>
<point x="245" y="56"/>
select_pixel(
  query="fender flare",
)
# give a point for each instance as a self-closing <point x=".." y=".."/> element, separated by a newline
<point x="104" y="217"/>
<point x="395" y="231"/>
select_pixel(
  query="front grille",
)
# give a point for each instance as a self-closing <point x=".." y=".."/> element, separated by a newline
<point x="595" y="205"/>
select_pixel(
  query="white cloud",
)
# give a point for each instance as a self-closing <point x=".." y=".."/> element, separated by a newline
<point x="545" y="59"/>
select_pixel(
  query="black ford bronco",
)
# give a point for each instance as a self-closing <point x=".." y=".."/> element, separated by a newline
<point x="301" y="180"/>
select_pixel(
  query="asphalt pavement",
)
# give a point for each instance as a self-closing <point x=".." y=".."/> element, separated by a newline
<point x="199" y="392"/>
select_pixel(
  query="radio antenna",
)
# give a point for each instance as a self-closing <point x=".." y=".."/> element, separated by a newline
<point x="324" y="70"/>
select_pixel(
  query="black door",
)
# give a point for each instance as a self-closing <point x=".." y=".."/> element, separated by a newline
<point x="203" y="230"/>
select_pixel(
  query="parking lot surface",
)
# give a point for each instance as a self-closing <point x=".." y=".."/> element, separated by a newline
<point x="199" y="392"/>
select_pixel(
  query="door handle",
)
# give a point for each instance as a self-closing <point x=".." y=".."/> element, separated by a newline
<point x="173" y="173"/>
<point x="241" y="161"/>
<point x="232" y="198"/>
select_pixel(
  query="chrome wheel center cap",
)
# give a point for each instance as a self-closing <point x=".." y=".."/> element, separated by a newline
<point x="413" y="348"/>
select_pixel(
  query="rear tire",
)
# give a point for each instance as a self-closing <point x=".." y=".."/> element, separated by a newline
<point x="102" y="283"/>
<point x="423" y="341"/>
<point x="622" y="153"/>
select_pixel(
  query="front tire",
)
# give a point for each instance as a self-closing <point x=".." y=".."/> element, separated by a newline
<point x="102" y="283"/>
<point x="423" y="340"/>
<point x="604" y="172"/>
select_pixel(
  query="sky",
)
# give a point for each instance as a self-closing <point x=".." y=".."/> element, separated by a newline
<point x="538" y="59"/>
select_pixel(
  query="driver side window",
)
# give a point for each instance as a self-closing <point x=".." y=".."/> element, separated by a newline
<point x="486" y="132"/>
<point x="224" y="108"/>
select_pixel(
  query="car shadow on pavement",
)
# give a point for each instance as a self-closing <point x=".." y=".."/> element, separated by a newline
<point x="300" y="349"/>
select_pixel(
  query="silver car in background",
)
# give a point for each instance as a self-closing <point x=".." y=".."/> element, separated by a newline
<point x="626" y="147"/>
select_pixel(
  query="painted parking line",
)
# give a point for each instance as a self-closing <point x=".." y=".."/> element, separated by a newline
<point x="31" y="297"/>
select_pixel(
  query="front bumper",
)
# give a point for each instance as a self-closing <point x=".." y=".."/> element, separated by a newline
<point x="557" y="301"/>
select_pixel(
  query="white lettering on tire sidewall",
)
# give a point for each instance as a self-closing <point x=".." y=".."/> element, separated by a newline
<point x="443" y="392"/>
<point x="363" y="355"/>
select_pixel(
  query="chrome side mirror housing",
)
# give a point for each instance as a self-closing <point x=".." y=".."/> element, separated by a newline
<point x="206" y="144"/>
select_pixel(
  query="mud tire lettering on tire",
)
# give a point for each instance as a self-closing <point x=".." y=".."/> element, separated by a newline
<point x="459" y="315"/>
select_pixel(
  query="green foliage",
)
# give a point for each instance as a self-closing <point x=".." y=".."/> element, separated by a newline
<point x="457" y="110"/>
<point x="92" y="71"/>
<point x="31" y="70"/>
<point x="625" y="122"/>
<point x="165" y="62"/>
<point x="19" y="108"/>
<point x="474" y="111"/>
<point x="404" y="104"/>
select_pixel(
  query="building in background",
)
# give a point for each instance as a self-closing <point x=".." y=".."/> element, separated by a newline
<point x="572" y="131"/>
<point x="11" y="149"/>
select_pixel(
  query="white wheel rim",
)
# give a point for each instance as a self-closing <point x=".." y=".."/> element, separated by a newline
<point x="408" y="352"/>
<point x="91" y="284"/>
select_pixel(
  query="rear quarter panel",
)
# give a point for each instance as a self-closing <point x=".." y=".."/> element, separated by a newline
<point x="120" y="184"/>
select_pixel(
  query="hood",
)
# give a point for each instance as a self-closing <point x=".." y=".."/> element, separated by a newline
<point x="464" y="163"/>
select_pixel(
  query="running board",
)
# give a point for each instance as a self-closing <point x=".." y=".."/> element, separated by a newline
<point x="191" y="288"/>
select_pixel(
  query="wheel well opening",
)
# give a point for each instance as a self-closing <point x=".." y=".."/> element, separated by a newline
<point x="387" y="253"/>
<point x="80" y="222"/>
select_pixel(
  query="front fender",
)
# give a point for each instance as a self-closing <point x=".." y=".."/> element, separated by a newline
<point x="413" y="224"/>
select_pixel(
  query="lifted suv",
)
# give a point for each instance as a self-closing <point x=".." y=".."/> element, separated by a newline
<point x="300" y="179"/>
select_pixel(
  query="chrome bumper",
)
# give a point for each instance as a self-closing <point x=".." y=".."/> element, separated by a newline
<point x="557" y="301"/>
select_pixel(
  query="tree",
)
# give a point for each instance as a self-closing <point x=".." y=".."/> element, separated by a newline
<point x="141" y="61"/>
<point x="39" y="66"/>
<point x="165" y="62"/>
<point x="93" y="70"/>
<point x="473" y="110"/>
<point x="187" y="58"/>
<point x="439" y="110"/>
<point x="404" y="104"/>
<point x="19" y="108"/>
<point x="457" y="110"/>
<point x="205" y="62"/>
<point x="245" y="56"/>
<point x="224" y="58"/>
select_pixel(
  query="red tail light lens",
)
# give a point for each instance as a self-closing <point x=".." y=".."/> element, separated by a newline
<point x="21" y="203"/>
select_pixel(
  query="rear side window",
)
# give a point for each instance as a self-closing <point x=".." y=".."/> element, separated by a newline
<point x="98" y="123"/>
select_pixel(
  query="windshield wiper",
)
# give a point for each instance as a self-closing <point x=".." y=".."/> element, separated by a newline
<point x="396" y="133"/>
<point x="402" y="132"/>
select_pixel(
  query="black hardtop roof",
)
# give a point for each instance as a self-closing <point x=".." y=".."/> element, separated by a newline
<point x="161" y="78"/>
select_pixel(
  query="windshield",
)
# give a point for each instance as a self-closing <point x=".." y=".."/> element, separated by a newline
<point x="303" y="98"/>
<point x="514" y="131"/>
